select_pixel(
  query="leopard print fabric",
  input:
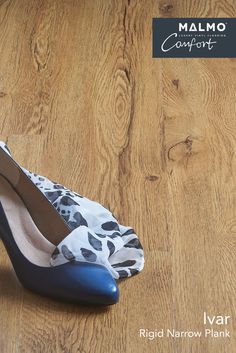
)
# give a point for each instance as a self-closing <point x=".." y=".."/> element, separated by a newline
<point x="96" y="236"/>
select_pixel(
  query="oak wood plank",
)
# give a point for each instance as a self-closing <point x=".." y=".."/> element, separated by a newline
<point x="83" y="102"/>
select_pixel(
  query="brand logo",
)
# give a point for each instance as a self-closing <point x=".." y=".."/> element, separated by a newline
<point x="200" y="27"/>
<point x="194" y="37"/>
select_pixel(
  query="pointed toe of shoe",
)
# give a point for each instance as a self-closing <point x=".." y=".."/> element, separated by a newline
<point x="82" y="282"/>
<point x="107" y="291"/>
<point x="112" y="294"/>
<point x="99" y="287"/>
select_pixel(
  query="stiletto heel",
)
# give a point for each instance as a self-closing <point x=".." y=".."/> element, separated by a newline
<point x="31" y="229"/>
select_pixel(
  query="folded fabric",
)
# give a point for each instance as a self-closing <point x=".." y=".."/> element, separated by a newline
<point x="96" y="234"/>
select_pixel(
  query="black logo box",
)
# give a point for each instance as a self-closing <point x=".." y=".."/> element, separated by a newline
<point x="201" y="32"/>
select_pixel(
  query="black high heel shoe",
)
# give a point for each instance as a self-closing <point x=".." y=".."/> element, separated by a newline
<point x="30" y="229"/>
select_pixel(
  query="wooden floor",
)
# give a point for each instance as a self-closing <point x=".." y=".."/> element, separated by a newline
<point x="83" y="102"/>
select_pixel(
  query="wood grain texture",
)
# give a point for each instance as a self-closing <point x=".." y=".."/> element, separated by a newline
<point x="83" y="102"/>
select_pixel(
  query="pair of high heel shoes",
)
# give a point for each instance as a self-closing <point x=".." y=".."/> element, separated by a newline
<point x="31" y="228"/>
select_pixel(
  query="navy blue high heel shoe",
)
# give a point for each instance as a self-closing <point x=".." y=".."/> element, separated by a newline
<point x="30" y="230"/>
